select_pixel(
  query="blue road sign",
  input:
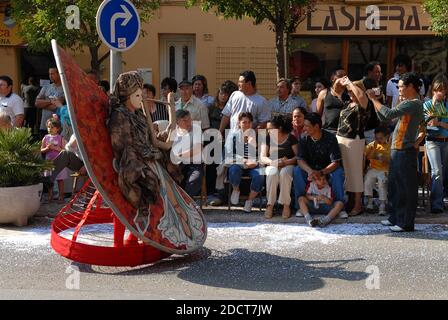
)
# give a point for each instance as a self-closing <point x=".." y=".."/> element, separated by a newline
<point x="118" y="24"/>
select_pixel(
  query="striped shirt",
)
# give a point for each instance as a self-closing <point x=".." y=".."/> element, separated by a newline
<point x="411" y="117"/>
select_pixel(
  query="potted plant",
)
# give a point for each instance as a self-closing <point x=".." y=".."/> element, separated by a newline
<point x="21" y="176"/>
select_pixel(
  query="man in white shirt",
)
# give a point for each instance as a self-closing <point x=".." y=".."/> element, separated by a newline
<point x="189" y="102"/>
<point x="246" y="99"/>
<point x="186" y="152"/>
<point x="403" y="64"/>
<point x="50" y="98"/>
<point x="11" y="103"/>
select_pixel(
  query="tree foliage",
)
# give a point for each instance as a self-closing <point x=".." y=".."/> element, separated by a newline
<point x="283" y="15"/>
<point x="438" y="9"/>
<point x="42" y="20"/>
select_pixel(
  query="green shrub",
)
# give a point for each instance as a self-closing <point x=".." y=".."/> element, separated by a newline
<point x="21" y="163"/>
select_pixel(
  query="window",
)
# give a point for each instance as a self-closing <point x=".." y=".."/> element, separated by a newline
<point x="362" y="51"/>
<point x="429" y="55"/>
<point x="185" y="62"/>
<point x="172" y="62"/>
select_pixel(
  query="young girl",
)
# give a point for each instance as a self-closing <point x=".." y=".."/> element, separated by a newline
<point x="52" y="144"/>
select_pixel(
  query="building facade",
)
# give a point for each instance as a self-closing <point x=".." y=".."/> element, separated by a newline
<point x="182" y="42"/>
<point x="352" y="33"/>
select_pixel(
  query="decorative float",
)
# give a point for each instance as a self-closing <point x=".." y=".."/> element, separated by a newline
<point x="99" y="226"/>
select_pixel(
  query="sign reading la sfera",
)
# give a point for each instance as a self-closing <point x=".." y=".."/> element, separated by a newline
<point x="374" y="20"/>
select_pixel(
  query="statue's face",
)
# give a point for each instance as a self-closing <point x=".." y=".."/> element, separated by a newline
<point x="136" y="99"/>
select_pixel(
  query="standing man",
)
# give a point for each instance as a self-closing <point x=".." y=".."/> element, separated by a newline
<point x="246" y="99"/>
<point x="284" y="103"/>
<point x="402" y="64"/>
<point x="11" y="103"/>
<point x="296" y="85"/>
<point x="29" y="94"/>
<point x="188" y="102"/>
<point x="50" y="98"/>
<point x="371" y="79"/>
<point x="403" y="175"/>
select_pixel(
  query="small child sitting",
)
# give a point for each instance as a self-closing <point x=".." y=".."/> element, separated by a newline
<point x="319" y="199"/>
<point x="378" y="154"/>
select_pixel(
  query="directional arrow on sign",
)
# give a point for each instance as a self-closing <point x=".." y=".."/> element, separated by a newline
<point x="118" y="24"/>
<point x="126" y="15"/>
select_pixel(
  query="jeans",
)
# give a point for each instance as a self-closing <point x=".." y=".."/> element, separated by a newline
<point x="236" y="171"/>
<point x="322" y="209"/>
<point x="192" y="179"/>
<point x="438" y="158"/>
<point x="301" y="179"/>
<point x="403" y="188"/>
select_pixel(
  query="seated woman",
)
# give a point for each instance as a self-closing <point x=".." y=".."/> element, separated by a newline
<point x="241" y="146"/>
<point x="298" y="121"/>
<point x="279" y="154"/>
<point x="142" y="176"/>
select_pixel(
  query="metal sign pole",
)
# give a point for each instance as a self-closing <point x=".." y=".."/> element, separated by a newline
<point x="115" y="67"/>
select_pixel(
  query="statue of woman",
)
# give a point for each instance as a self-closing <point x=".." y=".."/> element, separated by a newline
<point x="142" y="175"/>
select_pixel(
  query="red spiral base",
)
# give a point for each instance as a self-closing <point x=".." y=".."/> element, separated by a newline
<point x="87" y="209"/>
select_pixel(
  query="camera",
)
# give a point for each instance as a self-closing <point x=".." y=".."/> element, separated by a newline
<point x="377" y="91"/>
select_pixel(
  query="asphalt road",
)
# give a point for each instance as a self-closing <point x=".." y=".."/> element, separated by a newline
<point x="243" y="261"/>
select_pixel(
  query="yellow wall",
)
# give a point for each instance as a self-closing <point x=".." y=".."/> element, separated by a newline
<point x="249" y="42"/>
<point x="9" y="65"/>
<point x="225" y="34"/>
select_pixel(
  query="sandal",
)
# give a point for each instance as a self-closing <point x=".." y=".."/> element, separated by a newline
<point x="356" y="212"/>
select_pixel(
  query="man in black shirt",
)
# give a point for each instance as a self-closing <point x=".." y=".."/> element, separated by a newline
<point x="318" y="152"/>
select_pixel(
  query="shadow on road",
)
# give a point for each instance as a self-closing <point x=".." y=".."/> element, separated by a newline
<point x="243" y="269"/>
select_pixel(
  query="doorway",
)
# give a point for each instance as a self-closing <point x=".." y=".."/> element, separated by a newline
<point x="177" y="57"/>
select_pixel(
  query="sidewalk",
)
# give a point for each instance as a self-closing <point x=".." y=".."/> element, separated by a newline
<point x="236" y="214"/>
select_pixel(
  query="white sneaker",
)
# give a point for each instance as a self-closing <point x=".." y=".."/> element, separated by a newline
<point x="386" y="223"/>
<point x="343" y="214"/>
<point x="248" y="206"/>
<point x="396" y="229"/>
<point x="299" y="214"/>
<point x="235" y="197"/>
